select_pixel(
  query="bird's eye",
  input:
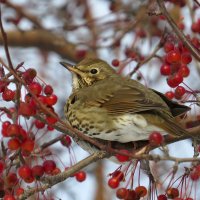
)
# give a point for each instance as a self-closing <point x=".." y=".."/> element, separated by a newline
<point x="93" y="71"/>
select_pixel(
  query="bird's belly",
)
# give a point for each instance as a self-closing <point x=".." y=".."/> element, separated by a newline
<point x="129" y="128"/>
<point x="123" y="128"/>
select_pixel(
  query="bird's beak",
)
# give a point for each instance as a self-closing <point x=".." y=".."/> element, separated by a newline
<point x="72" y="68"/>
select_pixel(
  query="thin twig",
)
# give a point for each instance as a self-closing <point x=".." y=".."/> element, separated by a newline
<point x="5" y="41"/>
<point x="197" y="2"/>
<point x="152" y="55"/>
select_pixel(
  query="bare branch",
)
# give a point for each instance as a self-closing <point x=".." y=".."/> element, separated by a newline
<point x="5" y="42"/>
<point x="45" y="40"/>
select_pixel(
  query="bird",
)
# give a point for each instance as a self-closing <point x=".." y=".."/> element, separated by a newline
<point x="105" y="105"/>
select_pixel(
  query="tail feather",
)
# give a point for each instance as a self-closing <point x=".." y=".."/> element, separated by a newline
<point x="175" y="108"/>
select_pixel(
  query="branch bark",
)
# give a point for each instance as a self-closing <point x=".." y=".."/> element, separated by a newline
<point x="44" y="40"/>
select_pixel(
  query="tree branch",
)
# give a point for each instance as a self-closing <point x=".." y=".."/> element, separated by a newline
<point x="53" y="180"/>
<point x="44" y="40"/>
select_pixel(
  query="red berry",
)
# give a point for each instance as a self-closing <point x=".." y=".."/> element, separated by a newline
<point x="56" y="171"/>
<point x="13" y="144"/>
<point x="80" y="176"/>
<point x="35" y="87"/>
<point x="182" y="48"/>
<point x="186" y="58"/>
<point x="39" y="124"/>
<point x="184" y="71"/>
<point x="26" y="109"/>
<point x="172" y="193"/>
<point x="38" y="171"/>
<point x="13" y="130"/>
<point x="2" y="166"/>
<point x="169" y="95"/>
<point x="122" y="193"/>
<point x="113" y="183"/>
<point x="19" y="191"/>
<point x="123" y="158"/>
<point x="173" y="56"/>
<point x="165" y="70"/>
<point x="169" y="46"/>
<point x="8" y="95"/>
<point x="194" y="175"/>
<point x="5" y="126"/>
<point x="141" y="191"/>
<point x="28" y="145"/>
<point x="49" y="166"/>
<point x="81" y="53"/>
<point x="162" y="197"/>
<point x="51" y="100"/>
<point x="29" y="75"/>
<point x="195" y="27"/>
<point x="41" y="99"/>
<point x="30" y="179"/>
<point x="11" y="179"/>
<point x="196" y="42"/>
<point x="115" y="62"/>
<point x="25" y="172"/>
<point x="179" y="92"/>
<point x="22" y="134"/>
<point x="66" y="141"/>
<point x="50" y="128"/>
<point x="48" y="90"/>
<point x="131" y="195"/>
<point x="156" y="139"/>
<point x="51" y="120"/>
<point x="181" y="26"/>
<point x="3" y="85"/>
<point x="118" y="174"/>
<point x="174" y="80"/>
<point x="9" y="197"/>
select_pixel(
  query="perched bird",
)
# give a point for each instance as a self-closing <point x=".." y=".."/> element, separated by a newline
<point x="107" y="106"/>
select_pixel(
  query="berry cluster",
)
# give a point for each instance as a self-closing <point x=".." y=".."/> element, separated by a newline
<point x="130" y="194"/>
<point x="22" y="149"/>
<point x="176" y="67"/>
<point x="127" y="175"/>
<point x="124" y="193"/>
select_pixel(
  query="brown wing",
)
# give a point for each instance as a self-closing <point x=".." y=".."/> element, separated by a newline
<point x="170" y="125"/>
<point x="132" y="97"/>
<point x="124" y="96"/>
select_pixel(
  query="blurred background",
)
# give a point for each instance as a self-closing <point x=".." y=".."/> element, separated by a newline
<point x="43" y="33"/>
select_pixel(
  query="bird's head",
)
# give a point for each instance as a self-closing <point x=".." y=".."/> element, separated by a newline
<point x="88" y="72"/>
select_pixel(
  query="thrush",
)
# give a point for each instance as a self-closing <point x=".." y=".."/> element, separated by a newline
<point x="107" y="106"/>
